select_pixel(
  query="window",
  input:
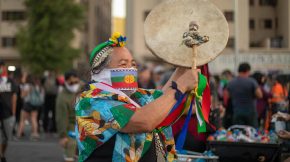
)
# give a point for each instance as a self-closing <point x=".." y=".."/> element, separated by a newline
<point x="252" y="2"/>
<point x="229" y="16"/>
<point x="13" y="15"/>
<point x="267" y="24"/>
<point x="8" y="42"/>
<point x="146" y="13"/>
<point x="231" y="43"/>
<point x="252" y="24"/>
<point x="268" y="2"/>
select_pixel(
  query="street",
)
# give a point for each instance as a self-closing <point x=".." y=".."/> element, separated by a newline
<point x="44" y="150"/>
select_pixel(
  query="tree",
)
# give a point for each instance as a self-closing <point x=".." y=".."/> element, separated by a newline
<point x="45" y="42"/>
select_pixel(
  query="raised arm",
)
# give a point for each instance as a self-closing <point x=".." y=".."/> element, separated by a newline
<point x="150" y="115"/>
<point x="258" y="93"/>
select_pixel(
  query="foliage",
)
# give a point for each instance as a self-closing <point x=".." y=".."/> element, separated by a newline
<point x="45" y="42"/>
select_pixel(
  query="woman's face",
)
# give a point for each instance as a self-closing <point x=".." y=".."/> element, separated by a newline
<point x="121" y="58"/>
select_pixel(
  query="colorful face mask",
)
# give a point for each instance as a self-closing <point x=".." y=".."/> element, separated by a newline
<point x="118" y="78"/>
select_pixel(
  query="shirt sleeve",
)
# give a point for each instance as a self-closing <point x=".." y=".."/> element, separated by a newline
<point x="98" y="120"/>
<point x="61" y="116"/>
<point x="255" y="83"/>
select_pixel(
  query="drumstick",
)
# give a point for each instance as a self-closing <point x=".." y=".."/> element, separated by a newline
<point x="194" y="55"/>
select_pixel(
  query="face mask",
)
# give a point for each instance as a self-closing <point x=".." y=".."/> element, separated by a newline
<point x="118" y="78"/>
<point x="72" y="88"/>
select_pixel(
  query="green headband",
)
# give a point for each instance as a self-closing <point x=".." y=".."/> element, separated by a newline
<point x="98" y="49"/>
<point x="100" y="52"/>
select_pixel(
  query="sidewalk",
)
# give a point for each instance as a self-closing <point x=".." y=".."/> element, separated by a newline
<point x="44" y="150"/>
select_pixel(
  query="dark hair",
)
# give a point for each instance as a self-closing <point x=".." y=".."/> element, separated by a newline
<point x="258" y="76"/>
<point x="244" y="67"/>
<point x="69" y="74"/>
<point x="29" y="79"/>
<point x="2" y="63"/>
<point x="142" y="68"/>
<point x="227" y="72"/>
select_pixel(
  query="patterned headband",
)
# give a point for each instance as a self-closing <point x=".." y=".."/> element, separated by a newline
<point x="102" y="51"/>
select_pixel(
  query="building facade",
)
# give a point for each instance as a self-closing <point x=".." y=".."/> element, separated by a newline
<point x="259" y="33"/>
<point x="12" y="16"/>
<point x="96" y="29"/>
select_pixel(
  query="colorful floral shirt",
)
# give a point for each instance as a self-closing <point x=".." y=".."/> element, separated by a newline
<point x="101" y="114"/>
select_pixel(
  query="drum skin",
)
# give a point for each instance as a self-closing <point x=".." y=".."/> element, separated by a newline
<point x="166" y="23"/>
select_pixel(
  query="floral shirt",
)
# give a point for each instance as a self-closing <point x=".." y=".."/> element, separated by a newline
<point x="100" y="115"/>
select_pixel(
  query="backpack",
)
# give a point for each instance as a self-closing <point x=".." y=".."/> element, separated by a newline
<point x="35" y="98"/>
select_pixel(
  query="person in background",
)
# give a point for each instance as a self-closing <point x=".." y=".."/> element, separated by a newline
<point x="225" y="78"/>
<point x="145" y="78"/>
<point x="217" y="110"/>
<point x="19" y="83"/>
<point x="262" y="103"/>
<point x="279" y="95"/>
<point x="8" y="99"/>
<point x="243" y="92"/>
<point x="33" y="96"/>
<point x="65" y="114"/>
<point x="225" y="99"/>
<point x="157" y="75"/>
<point x="51" y="90"/>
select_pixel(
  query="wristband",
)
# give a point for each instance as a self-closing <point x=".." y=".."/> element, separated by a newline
<point x="178" y="93"/>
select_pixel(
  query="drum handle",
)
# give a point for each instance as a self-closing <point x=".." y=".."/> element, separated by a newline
<point x="194" y="55"/>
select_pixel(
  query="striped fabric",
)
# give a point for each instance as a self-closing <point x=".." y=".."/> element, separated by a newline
<point x="124" y="79"/>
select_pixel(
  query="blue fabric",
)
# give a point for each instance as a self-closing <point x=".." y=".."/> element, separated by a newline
<point x="182" y="135"/>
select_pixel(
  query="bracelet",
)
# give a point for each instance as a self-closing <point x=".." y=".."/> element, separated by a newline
<point x="178" y="93"/>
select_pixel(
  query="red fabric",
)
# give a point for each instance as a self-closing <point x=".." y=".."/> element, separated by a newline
<point x="4" y="72"/>
<point x="192" y="128"/>
<point x="117" y="85"/>
<point x="171" y="117"/>
<point x="206" y="102"/>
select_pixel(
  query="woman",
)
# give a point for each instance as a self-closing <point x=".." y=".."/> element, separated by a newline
<point x="33" y="96"/>
<point x="116" y="121"/>
<point x="262" y="103"/>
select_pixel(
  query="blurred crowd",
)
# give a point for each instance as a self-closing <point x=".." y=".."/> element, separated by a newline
<point x="232" y="94"/>
<point x="36" y="97"/>
<point x="249" y="94"/>
<point x="46" y="102"/>
<point x="37" y="101"/>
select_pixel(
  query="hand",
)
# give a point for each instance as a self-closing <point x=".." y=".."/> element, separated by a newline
<point x="63" y="141"/>
<point x="281" y="116"/>
<point x="222" y="110"/>
<point x="284" y="134"/>
<point x="188" y="80"/>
